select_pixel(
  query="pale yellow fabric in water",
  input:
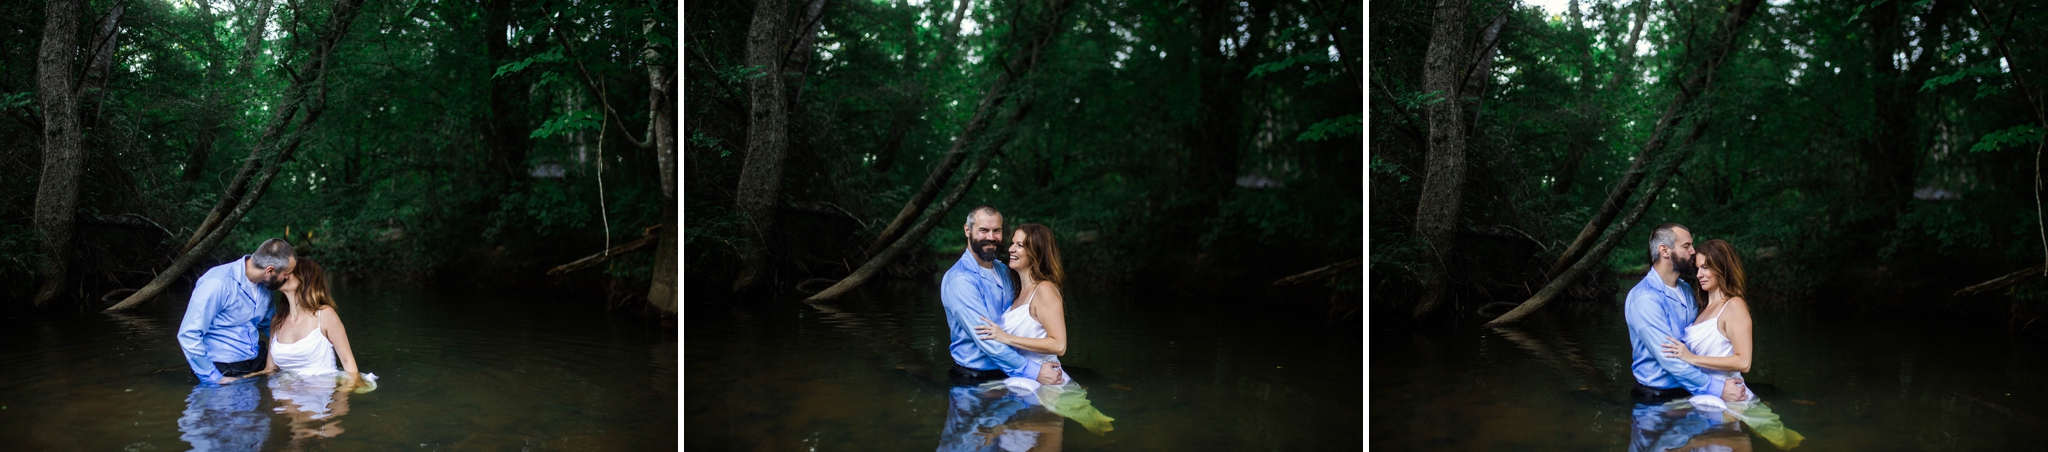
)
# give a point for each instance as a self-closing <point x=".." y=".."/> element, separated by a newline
<point x="1757" y="416"/>
<point x="1068" y="400"/>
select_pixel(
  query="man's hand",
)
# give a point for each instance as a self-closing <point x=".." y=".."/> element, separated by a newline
<point x="226" y="380"/>
<point x="1732" y="391"/>
<point x="1049" y="373"/>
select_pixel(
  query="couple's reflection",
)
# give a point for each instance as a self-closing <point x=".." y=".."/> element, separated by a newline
<point x="979" y="419"/>
<point x="226" y="417"/>
<point x="1662" y="427"/>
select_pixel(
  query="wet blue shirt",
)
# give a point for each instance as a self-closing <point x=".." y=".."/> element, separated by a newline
<point x="225" y="320"/>
<point x="1656" y="312"/>
<point x="971" y="293"/>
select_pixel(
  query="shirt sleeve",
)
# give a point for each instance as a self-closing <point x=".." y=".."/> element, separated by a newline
<point x="1646" y="324"/>
<point x="199" y="313"/>
<point x="962" y="305"/>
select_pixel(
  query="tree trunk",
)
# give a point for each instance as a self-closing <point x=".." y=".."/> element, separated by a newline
<point x="800" y="53"/>
<point x="63" y="157"/>
<point x="1436" y="216"/>
<point x="767" y="139"/>
<point x="508" y="129"/>
<point x="309" y="92"/>
<point x="1599" y="252"/>
<point x="101" y="60"/>
<point x="951" y="162"/>
<point x="661" y="100"/>
<point x="1694" y="87"/>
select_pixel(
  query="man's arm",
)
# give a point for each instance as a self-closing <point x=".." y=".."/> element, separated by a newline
<point x="964" y="307"/>
<point x="1646" y="322"/>
<point x="199" y="313"/>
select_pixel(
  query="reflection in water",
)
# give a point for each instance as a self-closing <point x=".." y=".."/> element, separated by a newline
<point x="314" y="404"/>
<point x="224" y="418"/>
<point x="995" y="420"/>
<point x="1660" y="427"/>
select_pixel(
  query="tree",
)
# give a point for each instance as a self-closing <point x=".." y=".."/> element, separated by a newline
<point x="767" y="138"/>
<point x="1436" y="217"/>
<point x="63" y="156"/>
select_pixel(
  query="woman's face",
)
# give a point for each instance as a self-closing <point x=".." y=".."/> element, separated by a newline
<point x="1019" y="260"/>
<point x="291" y="284"/>
<point x="1709" y="281"/>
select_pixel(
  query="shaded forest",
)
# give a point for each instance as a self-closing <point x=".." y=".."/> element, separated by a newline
<point x="1860" y="155"/>
<point x="828" y="144"/>
<point x="462" y="143"/>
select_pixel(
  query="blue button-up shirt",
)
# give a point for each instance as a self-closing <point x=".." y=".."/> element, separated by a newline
<point x="971" y="293"/>
<point x="1655" y="312"/>
<point x="225" y="320"/>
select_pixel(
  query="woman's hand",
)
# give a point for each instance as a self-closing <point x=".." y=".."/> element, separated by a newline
<point x="1049" y="374"/>
<point x="1675" y="349"/>
<point x="993" y="332"/>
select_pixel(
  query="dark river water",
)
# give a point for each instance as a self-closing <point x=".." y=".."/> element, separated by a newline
<point x="1844" y="381"/>
<point x="458" y="371"/>
<point x="1175" y="372"/>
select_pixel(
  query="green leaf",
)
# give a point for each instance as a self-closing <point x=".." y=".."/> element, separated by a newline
<point x="16" y="100"/>
<point x="2016" y="135"/>
<point x="551" y="56"/>
<point x="1979" y="70"/>
<point x="1340" y="126"/>
<point x="571" y="121"/>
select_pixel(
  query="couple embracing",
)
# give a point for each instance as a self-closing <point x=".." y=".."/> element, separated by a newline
<point x="230" y="311"/>
<point x="1677" y="354"/>
<point x="1007" y="335"/>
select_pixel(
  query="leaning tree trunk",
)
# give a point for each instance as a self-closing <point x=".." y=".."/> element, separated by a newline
<point x="950" y="162"/>
<point x="1692" y="89"/>
<point x="1695" y="86"/>
<point x="767" y="140"/>
<point x="252" y="45"/>
<point x="63" y="156"/>
<point x="1436" y="216"/>
<point x="661" y="102"/>
<point x="1599" y="252"/>
<point x="310" y="91"/>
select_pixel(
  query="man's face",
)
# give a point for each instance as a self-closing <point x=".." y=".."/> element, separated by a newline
<point x="1682" y="256"/>
<point x="274" y="277"/>
<point x="985" y="236"/>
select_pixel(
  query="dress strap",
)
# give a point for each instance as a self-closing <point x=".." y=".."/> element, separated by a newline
<point x="1724" y="308"/>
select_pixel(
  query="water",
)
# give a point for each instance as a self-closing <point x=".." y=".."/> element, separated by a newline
<point x="1845" y="381"/>
<point x="869" y="373"/>
<point x="459" y="370"/>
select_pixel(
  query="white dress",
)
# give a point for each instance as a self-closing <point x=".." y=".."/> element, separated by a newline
<point x="1018" y="322"/>
<point x="308" y="372"/>
<point x="1705" y="339"/>
<point x="1067" y="399"/>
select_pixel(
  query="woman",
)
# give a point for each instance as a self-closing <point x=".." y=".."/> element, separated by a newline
<point x="307" y="341"/>
<point x="1719" y="342"/>
<point x="1037" y="326"/>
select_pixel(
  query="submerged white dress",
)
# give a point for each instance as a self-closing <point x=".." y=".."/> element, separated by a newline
<point x="1067" y="399"/>
<point x="1705" y="339"/>
<point x="308" y="372"/>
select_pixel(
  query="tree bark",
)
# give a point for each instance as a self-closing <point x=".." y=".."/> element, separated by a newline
<point x="307" y="91"/>
<point x="661" y="100"/>
<point x="1693" y="88"/>
<point x="508" y="127"/>
<point x="767" y="139"/>
<point x="1600" y="250"/>
<point x="1436" y="216"/>
<point x="101" y="60"/>
<point x="63" y="156"/>
<point x="800" y="53"/>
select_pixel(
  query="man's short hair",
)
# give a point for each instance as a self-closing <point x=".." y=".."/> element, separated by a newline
<point x="983" y="209"/>
<point x="1664" y="235"/>
<point x="272" y="253"/>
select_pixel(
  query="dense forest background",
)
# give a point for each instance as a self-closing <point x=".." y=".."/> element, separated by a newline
<point x="1859" y="154"/>
<point x="1187" y="145"/>
<point x="468" y="143"/>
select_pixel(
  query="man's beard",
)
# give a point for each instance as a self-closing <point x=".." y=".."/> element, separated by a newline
<point x="1686" y="269"/>
<point x="988" y="250"/>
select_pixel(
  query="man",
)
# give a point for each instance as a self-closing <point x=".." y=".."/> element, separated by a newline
<point x="978" y="287"/>
<point x="1660" y="307"/>
<point x="230" y="311"/>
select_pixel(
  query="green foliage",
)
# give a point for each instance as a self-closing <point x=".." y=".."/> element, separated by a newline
<point x="1342" y="126"/>
<point x="553" y="55"/>
<point x="567" y="122"/>
<point x="2008" y="137"/>
<point x="1980" y="70"/>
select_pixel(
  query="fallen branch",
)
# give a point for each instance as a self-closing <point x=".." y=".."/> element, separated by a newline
<point x="2002" y="281"/>
<point x="647" y="238"/>
<point x="1320" y="273"/>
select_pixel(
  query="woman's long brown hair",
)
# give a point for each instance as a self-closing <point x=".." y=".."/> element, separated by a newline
<point x="1044" y="252"/>
<point x="1726" y="264"/>
<point x="312" y="292"/>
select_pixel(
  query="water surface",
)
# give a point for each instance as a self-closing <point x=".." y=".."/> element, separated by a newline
<point x="1875" y="381"/>
<point x="869" y="373"/>
<point x="460" y="370"/>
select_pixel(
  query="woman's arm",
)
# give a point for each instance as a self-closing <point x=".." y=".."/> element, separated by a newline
<point x="1050" y="310"/>
<point x="1736" y="325"/>
<point x="330" y="322"/>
